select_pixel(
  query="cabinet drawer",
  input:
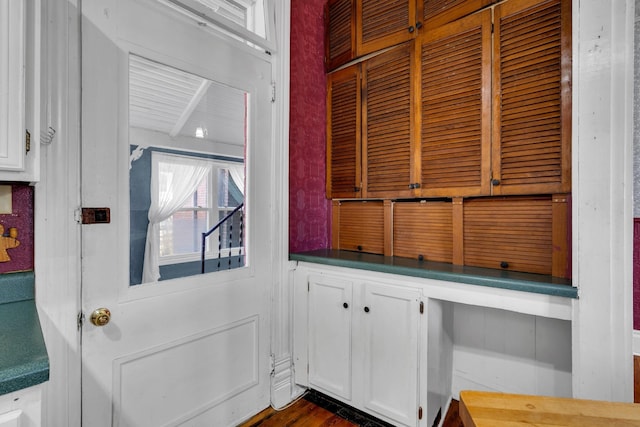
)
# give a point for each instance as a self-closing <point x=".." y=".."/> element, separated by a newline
<point x="528" y="234"/>
<point x="359" y="226"/>
<point x="423" y="229"/>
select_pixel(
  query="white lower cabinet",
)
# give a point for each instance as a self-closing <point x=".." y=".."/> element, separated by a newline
<point x="21" y="408"/>
<point x="363" y="345"/>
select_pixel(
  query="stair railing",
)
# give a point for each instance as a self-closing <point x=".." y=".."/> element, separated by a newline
<point x="214" y="228"/>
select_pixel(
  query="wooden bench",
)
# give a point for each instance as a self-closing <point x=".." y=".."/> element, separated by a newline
<point x="487" y="409"/>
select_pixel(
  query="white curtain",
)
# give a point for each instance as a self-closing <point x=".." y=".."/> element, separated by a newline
<point x="237" y="174"/>
<point x="181" y="176"/>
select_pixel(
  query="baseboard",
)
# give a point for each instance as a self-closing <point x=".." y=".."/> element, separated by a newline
<point x="636" y="342"/>
<point x="283" y="388"/>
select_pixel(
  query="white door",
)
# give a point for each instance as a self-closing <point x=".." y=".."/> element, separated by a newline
<point x="192" y="350"/>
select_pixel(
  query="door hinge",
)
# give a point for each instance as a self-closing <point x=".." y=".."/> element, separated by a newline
<point x="27" y="142"/>
<point x="80" y="320"/>
<point x="420" y="412"/>
<point x="273" y="91"/>
<point x="421" y="307"/>
<point x="77" y="216"/>
<point x="308" y="286"/>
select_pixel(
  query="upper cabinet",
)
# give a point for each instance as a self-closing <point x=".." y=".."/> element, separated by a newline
<point x="532" y="97"/>
<point x="478" y="106"/>
<point x="359" y="27"/>
<point x="455" y="101"/>
<point x="19" y="90"/>
<point x="12" y="84"/>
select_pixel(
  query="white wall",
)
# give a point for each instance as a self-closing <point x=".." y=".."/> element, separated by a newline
<point x="499" y="350"/>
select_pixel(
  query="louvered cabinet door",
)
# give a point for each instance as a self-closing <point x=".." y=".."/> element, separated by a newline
<point x="388" y="116"/>
<point x="435" y="13"/>
<point x="423" y="230"/>
<point x="340" y="32"/>
<point x="358" y="226"/>
<point x="343" y="133"/>
<point x="509" y="233"/>
<point x="381" y="24"/>
<point x="455" y="82"/>
<point x="532" y="97"/>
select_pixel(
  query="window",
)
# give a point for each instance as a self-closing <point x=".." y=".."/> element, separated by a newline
<point x="217" y="193"/>
<point x="246" y="20"/>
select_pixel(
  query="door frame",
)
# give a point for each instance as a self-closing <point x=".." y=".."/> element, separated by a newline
<point x="58" y="202"/>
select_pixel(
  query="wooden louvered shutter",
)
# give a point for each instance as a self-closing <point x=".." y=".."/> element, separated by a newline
<point x="383" y="24"/>
<point x="340" y="33"/>
<point x="455" y="108"/>
<point x="343" y="133"/>
<point x="532" y="105"/>
<point x="440" y="12"/>
<point x="509" y="233"/>
<point x="387" y="121"/>
<point x="358" y="226"/>
<point x="423" y="228"/>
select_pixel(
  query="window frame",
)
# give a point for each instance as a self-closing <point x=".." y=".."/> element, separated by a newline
<point x="212" y="209"/>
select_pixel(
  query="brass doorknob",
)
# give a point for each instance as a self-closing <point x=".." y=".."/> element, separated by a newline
<point x="100" y="316"/>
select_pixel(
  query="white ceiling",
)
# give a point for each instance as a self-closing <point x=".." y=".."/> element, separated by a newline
<point x="176" y="103"/>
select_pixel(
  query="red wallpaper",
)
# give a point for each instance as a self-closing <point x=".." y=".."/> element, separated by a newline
<point x="21" y="257"/>
<point x="309" y="210"/>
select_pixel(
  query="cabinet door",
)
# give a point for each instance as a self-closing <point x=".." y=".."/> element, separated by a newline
<point x="383" y="24"/>
<point x="456" y="107"/>
<point x="12" y="85"/>
<point x="388" y="115"/>
<point x="532" y="105"/>
<point x="438" y="12"/>
<point x="390" y="330"/>
<point x="330" y="336"/>
<point x="340" y="32"/>
<point x="343" y="134"/>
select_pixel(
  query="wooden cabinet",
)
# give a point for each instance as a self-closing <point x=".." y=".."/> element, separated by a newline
<point x="340" y="32"/>
<point x="387" y="123"/>
<point x="455" y="101"/>
<point x="363" y="341"/>
<point x="344" y="116"/>
<point x="532" y="97"/>
<point x="457" y="112"/>
<point x="355" y="28"/>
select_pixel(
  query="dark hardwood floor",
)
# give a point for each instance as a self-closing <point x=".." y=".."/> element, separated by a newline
<point x="316" y="410"/>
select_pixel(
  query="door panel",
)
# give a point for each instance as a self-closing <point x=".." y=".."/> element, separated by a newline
<point x="187" y="351"/>
<point x="390" y="330"/>
<point x="330" y="308"/>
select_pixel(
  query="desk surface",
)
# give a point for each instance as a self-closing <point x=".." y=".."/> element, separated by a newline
<point x="486" y="409"/>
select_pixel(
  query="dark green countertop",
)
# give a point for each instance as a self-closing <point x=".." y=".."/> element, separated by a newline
<point x="23" y="355"/>
<point x="526" y="282"/>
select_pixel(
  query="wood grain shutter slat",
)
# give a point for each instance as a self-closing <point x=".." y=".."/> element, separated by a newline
<point x="387" y="115"/>
<point x="532" y="105"/>
<point x="340" y="34"/>
<point x="362" y="226"/>
<point x="455" y="110"/>
<point x="515" y="230"/>
<point x="384" y="24"/>
<point x="423" y="229"/>
<point x="343" y="133"/>
<point x="439" y="12"/>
